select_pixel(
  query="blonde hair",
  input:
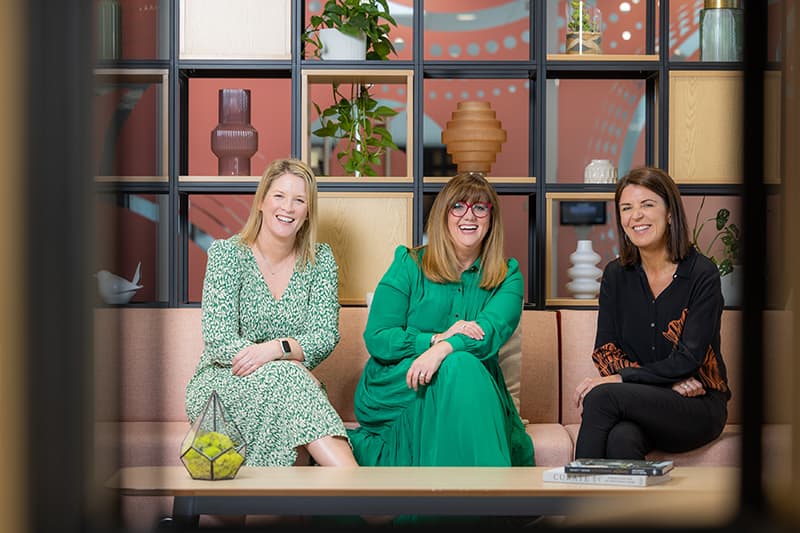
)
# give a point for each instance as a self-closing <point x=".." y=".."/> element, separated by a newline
<point x="439" y="262"/>
<point x="306" y="238"/>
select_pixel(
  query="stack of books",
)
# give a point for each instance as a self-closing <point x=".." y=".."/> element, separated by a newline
<point x="630" y="473"/>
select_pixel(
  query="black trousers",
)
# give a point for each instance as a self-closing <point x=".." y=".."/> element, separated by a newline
<point x="628" y="420"/>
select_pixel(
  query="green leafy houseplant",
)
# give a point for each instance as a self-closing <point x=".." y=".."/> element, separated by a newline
<point x="580" y="18"/>
<point x="361" y="121"/>
<point x="727" y="232"/>
<point x="354" y="17"/>
<point x="356" y="117"/>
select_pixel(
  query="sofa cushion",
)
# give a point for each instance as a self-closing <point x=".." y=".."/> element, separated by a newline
<point x="552" y="445"/>
<point x="723" y="451"/>
<point x="148" y="356"/>
<point x="342" y="369"/>
<point x="510" y="359"/>
<point x="539" y="371"/>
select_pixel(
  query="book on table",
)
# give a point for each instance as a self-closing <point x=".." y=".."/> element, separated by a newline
<point x="558" y="475"/>
<point x="619" y="466"/>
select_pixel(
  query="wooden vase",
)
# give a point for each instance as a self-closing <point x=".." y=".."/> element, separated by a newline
<point x="474" y="137"/>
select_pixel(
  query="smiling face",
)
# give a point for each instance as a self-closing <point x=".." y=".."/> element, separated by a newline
<point x="284" y="209"/>
<point x="644" y="217"/>
<point x="468" y="231"/>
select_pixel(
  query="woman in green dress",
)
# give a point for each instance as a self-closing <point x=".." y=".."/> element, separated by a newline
<point x="270" y="315"/>
<point x="432" y="392"/>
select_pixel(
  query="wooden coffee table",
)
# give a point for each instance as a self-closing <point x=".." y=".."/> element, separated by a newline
<point x="476" y="491"/>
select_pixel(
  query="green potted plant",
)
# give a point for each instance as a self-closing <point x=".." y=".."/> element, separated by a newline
<point x="361" y="121"/>
<point x="584" y="25"/>
<point x="727" y="232"/>
<point x="362" y="19"/>
<point x="356" y="116"/>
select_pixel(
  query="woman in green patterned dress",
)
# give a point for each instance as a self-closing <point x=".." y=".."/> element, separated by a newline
<point x="270" y="315"/>
<point x="432" y="392"/>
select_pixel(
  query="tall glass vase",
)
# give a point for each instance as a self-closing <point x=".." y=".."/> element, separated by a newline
<point x="722" y="31"/>
<point x="109" y="40"/>
<point x="234" y="140"/>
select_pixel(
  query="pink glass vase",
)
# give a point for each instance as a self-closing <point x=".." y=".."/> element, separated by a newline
<point x="234" y="140"/>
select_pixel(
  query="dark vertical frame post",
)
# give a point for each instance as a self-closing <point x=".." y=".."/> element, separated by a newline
<point x="59" y="212"/>
<point x="754" y="248"/>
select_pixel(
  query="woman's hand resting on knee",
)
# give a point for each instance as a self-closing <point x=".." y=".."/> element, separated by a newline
<point x="426" y="364"/>
<point x="689" y="387"/>
<point x="588" y="384"/>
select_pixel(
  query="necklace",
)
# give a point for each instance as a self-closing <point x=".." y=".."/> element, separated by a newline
<point x="272" y="269"/>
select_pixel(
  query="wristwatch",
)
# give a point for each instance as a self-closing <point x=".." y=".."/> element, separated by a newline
<point x="286" y="348"/>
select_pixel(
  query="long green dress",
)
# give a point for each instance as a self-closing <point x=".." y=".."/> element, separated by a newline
<point x="465" y="415"/>
<point x="279" y="406"/>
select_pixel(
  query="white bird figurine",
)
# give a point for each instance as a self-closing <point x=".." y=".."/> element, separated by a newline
<point x="116" y="289"/>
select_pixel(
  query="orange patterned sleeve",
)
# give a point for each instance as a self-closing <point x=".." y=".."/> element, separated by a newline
<point x="609" y="359"/>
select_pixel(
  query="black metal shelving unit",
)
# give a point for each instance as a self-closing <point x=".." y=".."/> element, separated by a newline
<point x="536" y="71"/>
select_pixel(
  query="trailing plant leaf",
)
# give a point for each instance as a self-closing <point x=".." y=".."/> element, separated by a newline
<point x="726" y="232"/>
<point x="360" y="120"/>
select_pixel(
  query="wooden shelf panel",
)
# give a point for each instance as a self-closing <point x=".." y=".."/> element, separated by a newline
<point x="519" y="180"/>
<point x="245" y="29"/>
<point x="602" y="57"/>
<point x="363" y="229"/>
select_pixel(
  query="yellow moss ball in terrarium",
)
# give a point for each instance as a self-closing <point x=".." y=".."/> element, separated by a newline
<point x="212" y="447"/>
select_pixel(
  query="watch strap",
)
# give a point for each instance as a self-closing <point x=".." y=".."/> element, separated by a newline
<point x="286" y="348"/>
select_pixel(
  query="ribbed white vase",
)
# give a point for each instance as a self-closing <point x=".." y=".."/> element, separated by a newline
<point x="584" y="273"/>
<point x="600" y="171"/>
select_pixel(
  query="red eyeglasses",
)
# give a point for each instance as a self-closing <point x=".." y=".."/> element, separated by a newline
<point x="479" y="209"/>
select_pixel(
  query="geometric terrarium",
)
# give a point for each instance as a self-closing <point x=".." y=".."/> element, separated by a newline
<point x="214" y="448"/>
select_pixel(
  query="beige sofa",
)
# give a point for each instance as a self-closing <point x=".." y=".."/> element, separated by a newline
<point x="159" y="348"/>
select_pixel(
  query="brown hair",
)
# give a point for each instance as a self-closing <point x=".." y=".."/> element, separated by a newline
<point x="658" y="181"/>
<point x="306" y="238"/>
<point x="439" y="263"/>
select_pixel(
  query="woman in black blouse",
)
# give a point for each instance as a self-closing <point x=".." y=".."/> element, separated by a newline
<point x="662" y="383"/>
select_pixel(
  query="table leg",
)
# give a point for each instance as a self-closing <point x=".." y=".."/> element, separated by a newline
<point x="184" y="512"/>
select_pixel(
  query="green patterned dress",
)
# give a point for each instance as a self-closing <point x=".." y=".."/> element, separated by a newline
<point x="279" y="406"/>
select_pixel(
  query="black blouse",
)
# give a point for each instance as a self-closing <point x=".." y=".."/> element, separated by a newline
<point x="666" y="339"/>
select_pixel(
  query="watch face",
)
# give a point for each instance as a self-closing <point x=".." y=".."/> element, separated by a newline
<point x="285" y="346"/>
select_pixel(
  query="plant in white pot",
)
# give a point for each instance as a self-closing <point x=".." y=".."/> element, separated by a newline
<point x="367" y="21"/>
<point x="730" y="236"/>
<point x="355" y="116"/>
